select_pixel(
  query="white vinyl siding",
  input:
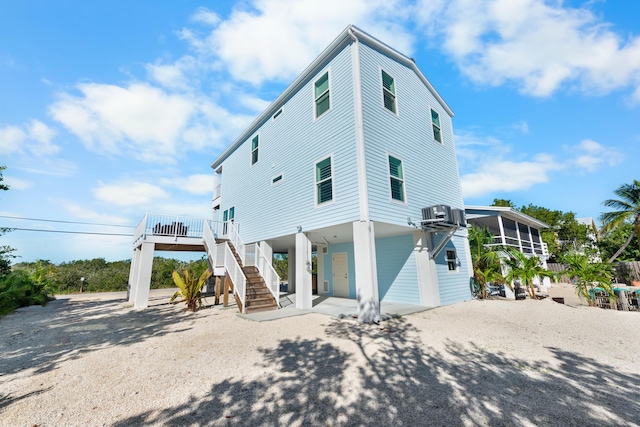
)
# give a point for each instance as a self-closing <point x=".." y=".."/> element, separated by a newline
<point x="321" y="95"/>
<point x="389" y="92"/>
<point x="435" y="124"/>
<point x="254" y="149"/>
<point x="324" y="181"/>
<point x="396" y="179"/>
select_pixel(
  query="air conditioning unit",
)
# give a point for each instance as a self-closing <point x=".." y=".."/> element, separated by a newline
<point x="442" y="213"/>
<point x="459" y="217"/>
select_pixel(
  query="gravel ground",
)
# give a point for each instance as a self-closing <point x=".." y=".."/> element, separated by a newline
<point x="94" y="361"/>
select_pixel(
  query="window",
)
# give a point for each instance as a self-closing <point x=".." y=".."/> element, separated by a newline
<point x="276" y="179"/>
<point x="321" y="94"/>
<point x="254" y="150"/>
<point x="324" y="183"/>
<point x="397" y="179"/>
<point x="435" y="121"/>
<point x="388" y="92"/>
<point x="275" y="116"/>
<point x="452" y="261"/>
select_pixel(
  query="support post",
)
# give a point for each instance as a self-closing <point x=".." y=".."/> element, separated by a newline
<point x="225" y="300"/>
<point x="132" y="286"/>
<point x="303" y="271"/>
<point x="364" y="250"/>
<point x="143" y="279"/>
<point x="427" y="273"/>
<point x="217" y="299"/>
<point x="291" y="260"/>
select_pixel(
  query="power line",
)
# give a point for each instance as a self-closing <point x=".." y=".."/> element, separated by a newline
<point x="71" y="232"/>
<point x="66" y="222"/>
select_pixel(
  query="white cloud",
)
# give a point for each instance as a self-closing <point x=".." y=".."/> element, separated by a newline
<point x="17" y="183"/>
<point x="275" y="39"/>
<point x="82" y="212"/>
<point x="34" y="138"/>
<point x="590" y="155"/>
<point x="177" y="75"/>
<point x="194" y="184"/>
<point x="539" y="45"/>
<point x="129" y="193"/>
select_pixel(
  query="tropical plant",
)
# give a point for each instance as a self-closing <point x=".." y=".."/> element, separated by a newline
<point x="18" y="289"/>
<point x="627" y="211"/>
<point x="485" y="257"/>
<point x="588" y="276"/>
<point x="5" y="251"/>
<point x="525" y="269"/>
<point x="189" y="289"/>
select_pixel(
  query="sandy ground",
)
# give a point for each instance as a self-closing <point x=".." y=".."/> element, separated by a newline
<point x="94" y="361"/>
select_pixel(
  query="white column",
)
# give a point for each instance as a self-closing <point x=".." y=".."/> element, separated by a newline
<point x="133" y="275"/>
<point x="143" y="279"/>
<point x="501" y="226"/>
<point x="291" y="259"/>
<point x="427" y="273"/>
<point x="364" y="249"/>
<point x="303" y="271"/>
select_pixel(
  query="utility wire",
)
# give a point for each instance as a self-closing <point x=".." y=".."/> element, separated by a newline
<point x="71" y="232"/>
<point x="66" y="222"/>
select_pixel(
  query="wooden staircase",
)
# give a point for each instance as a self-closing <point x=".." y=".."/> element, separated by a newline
<point x="258" y="297"/>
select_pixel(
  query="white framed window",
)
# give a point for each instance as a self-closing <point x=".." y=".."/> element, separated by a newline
<point x="321" y="95"/>
<point x="254" y="149"/>
<point x="324" y="181"/>
<point x="389" y="92"/>
<point x="452" y="260"/>
<point x="435" y="124"/>
<point x="396" y="179"/>
<point x="277" y="114"/>
<point x="276" y="179"/>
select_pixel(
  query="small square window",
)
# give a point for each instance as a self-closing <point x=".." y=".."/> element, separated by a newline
<point x="435" y="123"/>
<point x="276" y="179"/>
<point x="452" y="260"/>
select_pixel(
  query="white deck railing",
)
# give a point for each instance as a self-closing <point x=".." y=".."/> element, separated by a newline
<point x="230" y="231"/>
<point x="209" y="243"/>
<point x="235" y="274"/>
<point x="255" y="257"/>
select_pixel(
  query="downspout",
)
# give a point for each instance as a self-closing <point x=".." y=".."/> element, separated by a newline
<point x="363" y="191"/>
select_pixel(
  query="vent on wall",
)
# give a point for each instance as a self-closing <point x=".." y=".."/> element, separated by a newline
<point x="326" y="286"/>
<point x="325" y="250"/>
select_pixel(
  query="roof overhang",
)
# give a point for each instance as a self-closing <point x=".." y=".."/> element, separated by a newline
<point x="343" y="39"/>
<point x="509" y="213"/>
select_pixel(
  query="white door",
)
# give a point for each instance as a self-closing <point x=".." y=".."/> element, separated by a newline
<point x="340" y="275"/>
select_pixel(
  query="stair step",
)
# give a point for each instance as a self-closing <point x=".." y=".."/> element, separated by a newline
<point x="259" y="309"/>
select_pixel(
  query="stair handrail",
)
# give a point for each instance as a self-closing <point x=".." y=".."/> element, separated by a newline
<point x="235" y="239"/>
<point x="236" y="275"/>
<point x="268" y="273"/>
<point x="209" y="244"/>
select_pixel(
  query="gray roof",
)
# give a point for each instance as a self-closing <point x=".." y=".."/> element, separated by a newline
<point x="327" y="54"/>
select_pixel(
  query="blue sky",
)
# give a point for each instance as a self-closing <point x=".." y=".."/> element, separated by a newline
<point x="110" y="109"/>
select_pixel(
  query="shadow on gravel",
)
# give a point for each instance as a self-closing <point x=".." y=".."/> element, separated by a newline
<point x="40" y="338"/>
<point x="317" y="383"/>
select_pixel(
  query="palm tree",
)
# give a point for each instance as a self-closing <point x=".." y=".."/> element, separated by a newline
<point x="525" y="269"/>
<point x="588" y="276"/>
<point x="485" y="258"/>
<point x="628" y="210"/>
<point x="190" y="289"/>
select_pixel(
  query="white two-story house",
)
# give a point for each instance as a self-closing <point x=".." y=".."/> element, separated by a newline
<point x="356" y="145"/>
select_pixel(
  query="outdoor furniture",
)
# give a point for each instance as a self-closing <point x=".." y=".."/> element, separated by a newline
<point x="173" y="229"/>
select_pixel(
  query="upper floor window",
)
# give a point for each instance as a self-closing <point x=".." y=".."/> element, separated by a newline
<point x="435" y="121"/>
<point x="254" y="150"/>
<point x="321" y="94"/>
<point x="397" y="179"/>
<point x="388" y="92"/>
<point x="277" y="114"/>
<point x="452" y="260"/>
<point x="324" y="181"/>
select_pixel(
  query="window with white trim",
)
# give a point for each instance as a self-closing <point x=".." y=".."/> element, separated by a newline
<point x="321" y="95"/>
<point x="389" y="92"/>
<point x="324" y="181"/>
<point x="254" y="150"/>
<point x="435" y="123"/>
<point x="396" y="177"/>
<point x="276" y="179"/>
<point x="452" y="260"/>
<point x="277" y="114"/>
